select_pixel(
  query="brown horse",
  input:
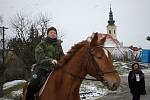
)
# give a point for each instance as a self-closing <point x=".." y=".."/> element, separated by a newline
<point x="86" y="57"/>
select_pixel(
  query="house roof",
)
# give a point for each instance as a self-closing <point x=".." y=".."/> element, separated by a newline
<point x="110" y="41"/>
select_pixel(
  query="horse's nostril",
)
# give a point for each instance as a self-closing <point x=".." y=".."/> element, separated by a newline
<point x="111" y="85"/>
<point x="114" y="85"/>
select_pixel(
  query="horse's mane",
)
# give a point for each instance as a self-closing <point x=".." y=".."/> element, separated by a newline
<point x="72" y="51"/>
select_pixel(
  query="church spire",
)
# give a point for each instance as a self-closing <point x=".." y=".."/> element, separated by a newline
<point x="111" y="27"/>
<point x="111" y="21"/>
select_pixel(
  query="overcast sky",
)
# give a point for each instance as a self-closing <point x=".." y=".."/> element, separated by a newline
<point x="77" y="19"/>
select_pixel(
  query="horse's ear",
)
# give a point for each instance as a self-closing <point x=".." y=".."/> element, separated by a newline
<point x="94" y="39"/>
<point x="102" y="41"/>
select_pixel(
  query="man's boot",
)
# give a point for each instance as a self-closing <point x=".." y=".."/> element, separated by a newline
<point x="30" y="93"/>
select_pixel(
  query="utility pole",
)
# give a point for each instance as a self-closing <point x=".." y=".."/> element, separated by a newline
<point x="3" y="40"/>
<point x="1" y="71"/>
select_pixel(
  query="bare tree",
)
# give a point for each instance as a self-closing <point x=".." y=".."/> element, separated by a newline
<point x="21" y="25"/>
<point x="42" y="23"/>
<point x="29" y="34"/>
<point x="61" y="35"/>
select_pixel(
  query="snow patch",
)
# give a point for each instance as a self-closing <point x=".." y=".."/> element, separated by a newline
<point x="12" y="83"/>
<point x="17" y="93"/>
<point x="92" y="91"/>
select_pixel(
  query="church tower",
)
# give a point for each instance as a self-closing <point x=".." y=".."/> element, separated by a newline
<point x="111" y="27"/>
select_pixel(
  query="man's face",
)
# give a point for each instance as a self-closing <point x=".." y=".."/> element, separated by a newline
<point x="136" y="68"/>
<point x="52" y="34"/>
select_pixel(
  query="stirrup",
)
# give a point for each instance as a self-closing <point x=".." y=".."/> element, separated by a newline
<point x="36" y="96"/>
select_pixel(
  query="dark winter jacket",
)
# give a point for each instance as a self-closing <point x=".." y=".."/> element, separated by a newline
<point x="136" y="87"/>
<point x="46" y="51"/>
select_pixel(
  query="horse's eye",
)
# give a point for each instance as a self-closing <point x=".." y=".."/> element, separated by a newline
<point x="99" y="57"/>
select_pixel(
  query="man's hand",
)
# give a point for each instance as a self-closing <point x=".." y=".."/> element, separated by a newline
<point x="54" y="62"/>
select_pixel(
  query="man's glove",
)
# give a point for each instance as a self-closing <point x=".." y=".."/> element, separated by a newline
<point x="54" y="62"/>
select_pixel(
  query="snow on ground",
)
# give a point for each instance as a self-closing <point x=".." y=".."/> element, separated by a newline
<point x="146" y="71"/>
<point x="12" y="83"/>
<point x="13" y="94"/>
<point x="89" y="90"/>
<point x="17" y="93"/>
<point x="5" y="99"/>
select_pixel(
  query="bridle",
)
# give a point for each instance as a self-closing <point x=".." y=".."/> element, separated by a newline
<point x="99" y="73"/>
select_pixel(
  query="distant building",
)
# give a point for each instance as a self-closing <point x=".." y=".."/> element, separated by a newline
<point x="116" y="47"/>
<point x="111" y="36"/>
<point x="110" y="42"/>
<point x="111" y="27"/>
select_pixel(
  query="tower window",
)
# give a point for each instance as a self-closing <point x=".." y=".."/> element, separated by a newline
<point x="109" y="31"/>
<point x="114" y="32"/>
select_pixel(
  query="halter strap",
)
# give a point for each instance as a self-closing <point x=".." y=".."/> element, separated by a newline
<point x="99" y="73"/>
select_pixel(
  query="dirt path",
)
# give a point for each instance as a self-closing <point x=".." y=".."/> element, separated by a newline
<point x="123" y="92"/>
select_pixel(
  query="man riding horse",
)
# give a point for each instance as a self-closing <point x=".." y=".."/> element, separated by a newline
<point x="47" y="53"/>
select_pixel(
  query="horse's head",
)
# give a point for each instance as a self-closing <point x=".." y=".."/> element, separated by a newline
<point x="100" y="64"/>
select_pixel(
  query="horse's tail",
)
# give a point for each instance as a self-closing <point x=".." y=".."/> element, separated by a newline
<point x="25" y="90"/>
